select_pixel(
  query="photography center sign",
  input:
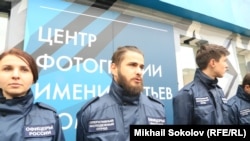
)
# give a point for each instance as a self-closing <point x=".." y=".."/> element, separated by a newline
<point x="73" y="45"/>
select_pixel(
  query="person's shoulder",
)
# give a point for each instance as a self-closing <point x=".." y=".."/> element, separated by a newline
<point x="44" y="106"/>
<point x="154" y="100"/>
<point x="233" y="100"/>
<point x="92" y="105"/>
<point x="89" y="102"/>
<point x="187" y="89"/>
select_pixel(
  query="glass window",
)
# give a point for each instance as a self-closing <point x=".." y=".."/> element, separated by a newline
<point x="242" y="65"/>
<point x="3" y="29"/>
<point x="187" y="60"/>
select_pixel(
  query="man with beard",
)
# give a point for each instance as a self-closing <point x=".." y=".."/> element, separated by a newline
<point x="109" y="117"/>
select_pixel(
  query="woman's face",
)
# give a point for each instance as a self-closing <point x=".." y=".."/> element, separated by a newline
<point x="16" y="76"/>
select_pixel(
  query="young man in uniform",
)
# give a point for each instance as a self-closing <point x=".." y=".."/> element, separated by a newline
<point x="202" y="101"/>
<point x="108" y="118"/>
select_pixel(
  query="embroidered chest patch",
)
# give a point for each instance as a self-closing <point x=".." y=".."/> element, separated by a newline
<point x="39" y="131"/>
<point x="202" y="101"/>
<point x="102" y="125"/>
<point x="245" y="112"/>
<point x="224" y="100"/>
<point x="156" y="121"/>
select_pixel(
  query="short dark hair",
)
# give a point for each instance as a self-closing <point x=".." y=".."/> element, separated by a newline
<point x="246" y="80"/>
<point x="206" y="52"/>
<point x="26" y="58"/>
<point x="118" y="55"/>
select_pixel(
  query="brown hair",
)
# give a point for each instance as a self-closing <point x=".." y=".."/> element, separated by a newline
<point x="27" y="58"/>
<point x="246" y="80"/>
<point x="118" y="55"/>
<point x="206" y="52"/>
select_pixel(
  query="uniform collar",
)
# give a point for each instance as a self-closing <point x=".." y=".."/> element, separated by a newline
<point x="205" y="79"/>
<point x="242" y="94"/>
<point x="16" y="105"/>
<point x="121" y="95"/>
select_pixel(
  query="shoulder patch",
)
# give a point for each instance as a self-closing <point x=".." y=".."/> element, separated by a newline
<point x="45" y="106"/>
<point x="89" y="102"/>
<point x="154" y="99"/>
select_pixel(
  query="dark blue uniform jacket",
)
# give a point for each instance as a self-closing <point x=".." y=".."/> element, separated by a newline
<point x="200" y="102"/>
<point x="108" y="118"/>
<point x="22" y="120"/>
<point x="239" y="111"/>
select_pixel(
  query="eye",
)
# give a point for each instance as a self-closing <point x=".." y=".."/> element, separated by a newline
<point x="25" y="69"/>
<point x="7" y="68"/>
<point x="134" y="64"/>
<point x="142" y="67"/>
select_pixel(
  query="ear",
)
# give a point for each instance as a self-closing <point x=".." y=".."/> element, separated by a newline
<point x="113" y="69"/>
<point x="212" y="63"/>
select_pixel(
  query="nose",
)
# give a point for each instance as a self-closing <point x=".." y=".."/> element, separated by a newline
<point x="139" y="70"/>
<point x="227" y="66"/>
<point x="15" y="74"/>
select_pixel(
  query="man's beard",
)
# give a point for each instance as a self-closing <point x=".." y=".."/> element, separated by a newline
<point x="124" y="83"/>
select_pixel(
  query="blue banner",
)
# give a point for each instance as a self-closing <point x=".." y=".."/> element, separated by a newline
<point x="73" y="44"/>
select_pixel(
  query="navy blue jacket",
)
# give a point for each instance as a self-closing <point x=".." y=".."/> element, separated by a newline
<point x="108" y="118"/>
<point x="200" y="102"/>
<point x="239" y="111"/>
<point x="22" y="120"/>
